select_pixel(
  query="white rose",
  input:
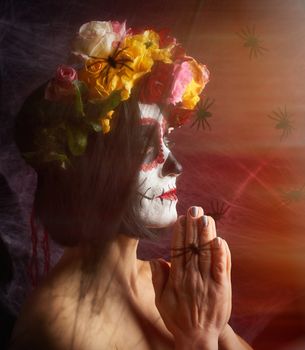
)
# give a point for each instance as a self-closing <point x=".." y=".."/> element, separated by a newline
<point x="96" y="38"/>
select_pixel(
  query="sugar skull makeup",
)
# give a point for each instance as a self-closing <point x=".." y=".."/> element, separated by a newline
<point x="159" y="170"/>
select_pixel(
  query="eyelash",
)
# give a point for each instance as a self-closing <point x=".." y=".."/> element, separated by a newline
<point x="167" y="142"/>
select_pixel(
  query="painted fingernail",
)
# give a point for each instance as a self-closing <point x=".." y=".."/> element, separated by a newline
<point x="205" y="220"/>
<point x="217" y="242"/>
<point x="194" y="212"/>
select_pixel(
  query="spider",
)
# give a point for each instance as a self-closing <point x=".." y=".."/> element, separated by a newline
<point x="112" y="62"/>
<point x="295" y="195"/>
<point x="192" y="248"/>
<point x="251" y="41"/>
<point x="218" y="210"/>
<point x="203" y="114"/>
<point x="283" y="122"/>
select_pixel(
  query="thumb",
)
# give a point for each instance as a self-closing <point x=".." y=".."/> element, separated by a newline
<point x="160" y="273"/>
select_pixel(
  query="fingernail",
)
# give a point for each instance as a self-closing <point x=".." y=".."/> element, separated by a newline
<point x="205" y="221"/>
<point x="194" y="212"/>
<point x="217" y="242"/>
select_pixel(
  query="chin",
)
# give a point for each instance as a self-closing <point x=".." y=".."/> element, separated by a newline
<point x="164" y="217"/>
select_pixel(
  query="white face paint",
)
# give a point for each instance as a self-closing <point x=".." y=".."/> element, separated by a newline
<point x="157" y="184"/>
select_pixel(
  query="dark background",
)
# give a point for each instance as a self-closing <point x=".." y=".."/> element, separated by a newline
<point x="248" y="170"/>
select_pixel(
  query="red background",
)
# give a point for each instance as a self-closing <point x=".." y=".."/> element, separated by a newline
<point x="242" y="165"/>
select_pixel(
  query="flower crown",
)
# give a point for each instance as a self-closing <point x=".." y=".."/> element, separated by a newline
<point x="114" y="60"/>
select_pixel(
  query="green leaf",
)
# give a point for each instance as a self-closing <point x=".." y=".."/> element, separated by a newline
<point x="113" y="100"/>
<point x="37" y="158"/>
<point x="96" y="126"/>
<point x="80" y="90"/>
<point x="83" y="88"/>
<point x="58" y="157"/>
<point x="99" y="108"/>
<point x="77" y="140"/>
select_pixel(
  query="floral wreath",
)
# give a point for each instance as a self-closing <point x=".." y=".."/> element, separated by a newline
<point x="114" y="60"/>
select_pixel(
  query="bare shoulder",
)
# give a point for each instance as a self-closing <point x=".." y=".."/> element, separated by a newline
<point x="44" y="319"/>
<point x="35" y="327"/>
<point x="55" y="317"/>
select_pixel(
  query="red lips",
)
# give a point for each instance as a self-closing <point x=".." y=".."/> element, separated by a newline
<point x="171" y="195"/>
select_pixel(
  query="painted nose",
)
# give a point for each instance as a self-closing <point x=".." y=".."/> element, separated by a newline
<point x="171" y="166"/>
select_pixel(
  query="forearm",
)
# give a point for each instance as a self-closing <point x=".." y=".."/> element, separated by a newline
<point x="229" y="340"/>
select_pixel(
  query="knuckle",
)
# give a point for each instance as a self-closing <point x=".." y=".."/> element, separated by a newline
<point x="221" y="253"/>
<point x="205" y="255"/>
<point x="220" y="268"/>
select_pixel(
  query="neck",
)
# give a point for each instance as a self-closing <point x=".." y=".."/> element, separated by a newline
<point x="117" y="266"/>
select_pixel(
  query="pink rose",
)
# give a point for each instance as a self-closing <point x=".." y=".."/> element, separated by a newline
<point x="65" y="75"/>
<point x="182" y="76"/>
<point x="61" y="86"/>
<point x="154" y="87"/>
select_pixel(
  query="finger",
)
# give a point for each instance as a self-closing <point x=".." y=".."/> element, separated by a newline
<point x="193" y="214"/>
<point x="229" y="261"/>
<point x="207" y="233"/>
<point x="228" y="274"/>
<point x="208" y="230"/>
<point x="160" y="273"/>
<point x="177" y="246"/>
<point x="191" y="235"/>
<point x="219" y="260"/>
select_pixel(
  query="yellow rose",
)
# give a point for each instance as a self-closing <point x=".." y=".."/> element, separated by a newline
<point x="121" y="70"/>
<point x="200" y="78"/>
<point x="105" y="122"/>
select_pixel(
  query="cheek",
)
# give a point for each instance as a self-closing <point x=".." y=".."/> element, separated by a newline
<point x="149" y="178"/>
<point x="160" y="159"/>
<point x="153" y="165"/>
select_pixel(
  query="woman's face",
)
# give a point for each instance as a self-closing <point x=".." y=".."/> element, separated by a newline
<point x="159" y="171"/>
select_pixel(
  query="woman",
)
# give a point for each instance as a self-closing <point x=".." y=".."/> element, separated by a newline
<point x="97" y="137"/>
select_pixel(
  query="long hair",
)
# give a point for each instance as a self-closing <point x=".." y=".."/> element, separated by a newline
<point x="96" y="198"/>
